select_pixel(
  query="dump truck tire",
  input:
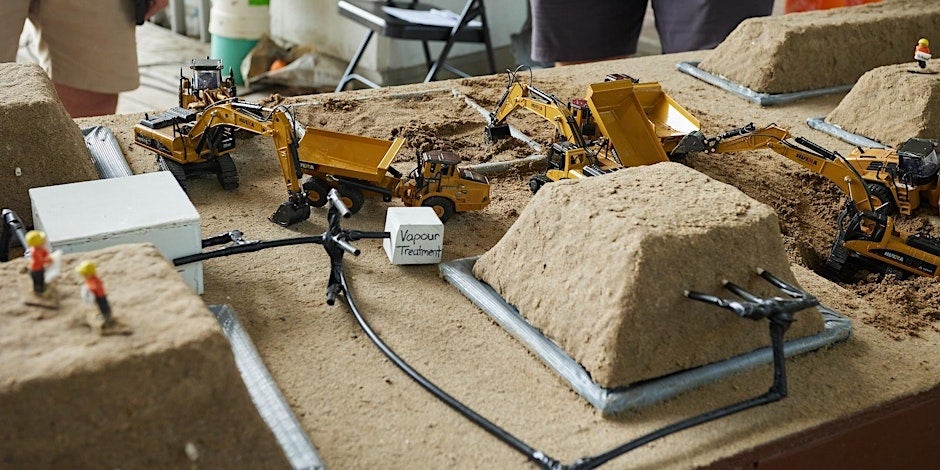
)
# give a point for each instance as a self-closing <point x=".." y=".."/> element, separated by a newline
<point x="352" y="197"/>
<point x="536" y="182"/>
<point x="317" y="190"/>
<point x="883" y="195"/>
<point x="443" y="207"/>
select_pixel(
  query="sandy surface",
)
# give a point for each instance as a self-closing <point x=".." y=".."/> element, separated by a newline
<point x="820" y="49"/>
<point x="630" y="243"/>
<point x="912" y="99"/>
<point x="361" y="412"/>
<point x="41" y="145"/>
<point x="70" y="397"/>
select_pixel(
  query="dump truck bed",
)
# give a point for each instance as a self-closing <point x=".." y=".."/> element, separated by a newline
<point x="346" y="155"/>
<point x="641" y="120"/>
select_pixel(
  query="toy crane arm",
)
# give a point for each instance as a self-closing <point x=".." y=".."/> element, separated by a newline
<point x="519" y="95"/>
<point x="811" y="156"/>
<point x="248" y="117"/>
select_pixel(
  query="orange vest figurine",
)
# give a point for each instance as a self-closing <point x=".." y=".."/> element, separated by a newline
<point x="922" y="52"/>
<point x="38" y="259"/>
<point x="94" y="288"/>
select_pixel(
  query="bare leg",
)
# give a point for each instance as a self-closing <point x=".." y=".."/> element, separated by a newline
<point x="82" y="103"/>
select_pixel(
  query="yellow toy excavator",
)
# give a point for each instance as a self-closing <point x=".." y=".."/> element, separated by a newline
<point x="867" y="235"/>
<point x="188" y="143"/>
<point x="206" y="86"/>
<point x="619" y="123"/>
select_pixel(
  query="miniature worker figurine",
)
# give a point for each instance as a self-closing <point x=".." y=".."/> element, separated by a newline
<point x="38" y="259"/>
<point x="93" y="290"/>
<point x="922" y="52"/>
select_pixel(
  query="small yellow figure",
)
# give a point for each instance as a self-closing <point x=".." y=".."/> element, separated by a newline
<point x="922" y="52"/>
<point x="101" y="321"/>
<point x="93" y="289"/>
<point x="43" y="269"/>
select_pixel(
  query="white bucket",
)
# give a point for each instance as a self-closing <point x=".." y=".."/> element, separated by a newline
<point x="240" y="19"/>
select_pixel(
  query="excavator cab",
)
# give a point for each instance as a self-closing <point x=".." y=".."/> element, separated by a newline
<point x="918" y="161"/>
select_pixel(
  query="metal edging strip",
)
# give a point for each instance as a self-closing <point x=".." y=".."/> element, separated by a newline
<point x="265" y="394"/>
<point x="820" y="124"/>
<point x="611" y="401"/>
<point x="762" y="99"/>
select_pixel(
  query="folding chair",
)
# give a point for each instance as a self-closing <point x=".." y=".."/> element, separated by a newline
<point x="370" y="15"/>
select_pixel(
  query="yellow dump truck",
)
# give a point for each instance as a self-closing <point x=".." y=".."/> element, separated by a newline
<point x="188" y="143"/>
<point x="620" y="123"/>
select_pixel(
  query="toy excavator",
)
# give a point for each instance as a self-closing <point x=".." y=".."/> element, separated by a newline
<point x="873" y="180"/>
<point x="621" y="122"/>
<point x="188" y="143"/>
<point x="207" y="86"/>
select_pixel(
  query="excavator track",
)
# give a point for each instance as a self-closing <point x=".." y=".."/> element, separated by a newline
<point x="227" y="173"/>
<point x="175" y="168"/>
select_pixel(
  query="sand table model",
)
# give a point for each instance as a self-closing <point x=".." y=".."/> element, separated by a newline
<point x="41" y="145"/>
<point x="891" y="104"/>
<point x="600" y="265"/>
<point x="808" y="51"/>
<point x="72" y="398"/>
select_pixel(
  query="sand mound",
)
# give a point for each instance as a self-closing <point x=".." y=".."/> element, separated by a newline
<point x="39" y="139"/>
<point x="807" y="51"/>
<point x="600" y="265"/>
<point x="72" y="398"/>
<point x="890" y="104"/>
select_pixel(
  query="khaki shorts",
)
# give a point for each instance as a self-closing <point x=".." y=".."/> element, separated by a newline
<point x="84" y="44"/>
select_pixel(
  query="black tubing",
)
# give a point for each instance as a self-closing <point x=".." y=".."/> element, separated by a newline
<point x="246" y="248"/>
<point x="532" y="454"/>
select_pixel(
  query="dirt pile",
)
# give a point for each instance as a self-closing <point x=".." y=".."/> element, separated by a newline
<point x="813" y="50"/>
<point x="41" y="145"/>
<point x="600" y="265"/>
<point x="890" y="104"/>
<point x="70" y="397"/>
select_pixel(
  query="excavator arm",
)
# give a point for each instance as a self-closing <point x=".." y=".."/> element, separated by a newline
<point x="865" y="233"/>
<point x="519" y="95"/>
<point x="279" y="126"/>
<point x="815" y="158"/>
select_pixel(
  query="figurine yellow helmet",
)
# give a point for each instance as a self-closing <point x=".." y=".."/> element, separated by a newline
<point x="35" y="238"/>
<point x="924" y="42"/>
<point x="86" y="268"/>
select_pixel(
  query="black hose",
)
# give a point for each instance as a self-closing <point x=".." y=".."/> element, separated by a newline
<point x="532" y="454"/>
<point x="246" y="248"/>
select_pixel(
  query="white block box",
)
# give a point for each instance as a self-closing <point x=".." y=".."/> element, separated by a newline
<point x="147" y="208"/>
<point x="417" y="235"/>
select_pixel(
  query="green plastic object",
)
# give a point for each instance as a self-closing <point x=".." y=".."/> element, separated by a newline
<point x="232" y="51"/>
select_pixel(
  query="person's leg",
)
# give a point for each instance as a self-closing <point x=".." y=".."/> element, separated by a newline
<point x="567" y="31"/>
<point x="689" y="25"/>
<point x="89" y="50"/>
<point x="12" y="18"/>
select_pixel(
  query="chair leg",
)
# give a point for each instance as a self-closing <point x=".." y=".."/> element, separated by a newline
<point x="349" y="75"/>
<point x="469" y="12"/>
<point x="427" y="54"/>
<point x="486" y="38"/>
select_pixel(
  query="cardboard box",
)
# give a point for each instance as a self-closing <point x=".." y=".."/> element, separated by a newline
<point x="147" y="208"/>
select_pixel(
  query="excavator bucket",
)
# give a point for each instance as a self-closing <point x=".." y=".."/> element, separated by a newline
<point x="641" y="121"/>
<point x="494" y="133"/>
<point x="692" y="142"/>
<point x="290" y="213"/>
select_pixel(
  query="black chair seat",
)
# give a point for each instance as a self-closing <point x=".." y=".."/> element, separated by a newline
<point x="371" y="15"/>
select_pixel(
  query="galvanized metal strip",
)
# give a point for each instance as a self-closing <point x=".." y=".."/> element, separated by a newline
<point x="763" y="99"/>
<point x="820" y="124"/>
<point x="265" y="394"/>
<point x="106" y="152"/>
<point x="611" y="401"/>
